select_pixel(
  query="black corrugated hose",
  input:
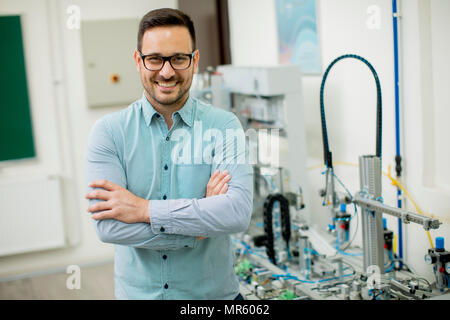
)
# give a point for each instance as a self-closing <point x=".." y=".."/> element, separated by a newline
<point x="326" y="147"/>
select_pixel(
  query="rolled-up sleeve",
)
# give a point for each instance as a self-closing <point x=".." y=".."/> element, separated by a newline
<point x="103" y="163"/>
<point x="216" y="215"/>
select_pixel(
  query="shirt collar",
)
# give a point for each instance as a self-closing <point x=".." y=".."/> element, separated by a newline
<point x="186" y="112"/>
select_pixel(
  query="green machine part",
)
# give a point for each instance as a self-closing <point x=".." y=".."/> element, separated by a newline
<point x="243" y="266"/>
<point x="16" y="132"/>
<point x="287" y="295"/>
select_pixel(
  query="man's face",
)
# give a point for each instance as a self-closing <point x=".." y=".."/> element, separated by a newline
<point x="166" y="87"/>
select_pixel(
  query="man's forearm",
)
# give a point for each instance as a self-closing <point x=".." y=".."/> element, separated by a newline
<point x="139" y="235"/>
<point x="223" y="214"/>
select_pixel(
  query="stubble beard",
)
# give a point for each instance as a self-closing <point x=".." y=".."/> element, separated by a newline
<point x="150" y="88"/>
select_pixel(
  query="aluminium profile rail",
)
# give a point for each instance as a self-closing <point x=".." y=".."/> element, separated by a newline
<point x="406" y="216"/>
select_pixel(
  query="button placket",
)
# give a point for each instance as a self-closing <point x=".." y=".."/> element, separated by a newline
<point x="165" y="273"/>
<point x="165" y="168"/>
<point x="165" y="192"/>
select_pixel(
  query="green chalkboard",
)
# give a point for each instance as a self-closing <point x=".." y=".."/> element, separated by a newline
<point x="16" y="131"/>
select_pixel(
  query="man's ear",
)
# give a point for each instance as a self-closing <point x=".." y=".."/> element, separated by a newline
<point x="196" y="58"/>
<point x="137" y="59"/>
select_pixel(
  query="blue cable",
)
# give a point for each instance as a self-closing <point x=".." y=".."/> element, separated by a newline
<point x="340" y="182"/>
<point x="390" y="268"/>
<point x="288" y="252"/>
<point x="349" y="253"/>
<point x="248" y="248"/>
<point x="345" y="253"/>
<point x="397" y="123"/>
<point x="289" y="276"/>
<point x="348" y="192"/>
<point x="314" y="252"/>
<point x="259" y="224"/>
<point x="390" y="255"/>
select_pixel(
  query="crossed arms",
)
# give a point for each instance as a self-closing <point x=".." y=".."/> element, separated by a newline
<point x="121" y="217"/>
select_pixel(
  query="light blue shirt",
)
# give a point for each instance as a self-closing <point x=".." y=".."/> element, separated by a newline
<point x="163" y="260"/>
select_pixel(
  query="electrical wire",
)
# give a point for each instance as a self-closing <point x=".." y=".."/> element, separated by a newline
<point x="350" y="266"/>
<point x="407" y="268"/>
<point x="355" y="213"/>
<point x="289" y="276"/>
<point x="354" y="233"/>
<point x="397" y="183"/>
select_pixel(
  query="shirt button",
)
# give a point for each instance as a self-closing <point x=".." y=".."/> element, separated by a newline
<point x="166" y="286"/>
<point x="167" y="138"/>
<point x="164" y="197"/>
<point x="164" y="257"/>
<point x="162" y="229"/>
<point x="166" y="167"/>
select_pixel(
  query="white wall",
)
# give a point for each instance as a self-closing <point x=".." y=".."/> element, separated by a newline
<point x="426" y="102"/>
<point x="62" y="120"/>
<point x="350" y="99"/>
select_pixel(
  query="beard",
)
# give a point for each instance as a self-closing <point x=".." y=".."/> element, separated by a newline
<point x="175" y="98"/>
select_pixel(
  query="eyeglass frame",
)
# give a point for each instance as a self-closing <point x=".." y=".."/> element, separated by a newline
<point x="167" y="58"/>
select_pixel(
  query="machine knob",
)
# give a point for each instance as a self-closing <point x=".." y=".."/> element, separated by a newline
<point x="440" y="243"/>
<point x="447" y="267"/>
<point x="430" y="259"/>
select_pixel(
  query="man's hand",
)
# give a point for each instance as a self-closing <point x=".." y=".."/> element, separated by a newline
<point x="119" y="204"/>
<point x="217" y="184"/>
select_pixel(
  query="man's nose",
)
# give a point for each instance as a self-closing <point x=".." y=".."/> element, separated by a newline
<point x="167" y="70"/>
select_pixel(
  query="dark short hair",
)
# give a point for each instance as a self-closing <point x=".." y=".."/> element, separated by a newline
<point x="165" y="17"/>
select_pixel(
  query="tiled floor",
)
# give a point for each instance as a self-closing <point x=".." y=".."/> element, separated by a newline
<point x="97" y="282"/>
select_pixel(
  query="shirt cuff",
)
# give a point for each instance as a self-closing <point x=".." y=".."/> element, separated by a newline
<point x="191" y="243"/>
<point x="160" y="216"/>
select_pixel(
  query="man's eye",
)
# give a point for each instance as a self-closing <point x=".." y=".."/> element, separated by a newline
<point x="179" y="58"/>
<point x="153" y="59"/>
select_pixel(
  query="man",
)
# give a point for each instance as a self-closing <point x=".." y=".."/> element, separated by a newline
<point x="166" y="184"/>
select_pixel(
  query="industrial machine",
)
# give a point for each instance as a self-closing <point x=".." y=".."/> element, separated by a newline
<point x="281" y="255"/>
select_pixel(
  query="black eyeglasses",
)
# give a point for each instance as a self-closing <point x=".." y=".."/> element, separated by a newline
<point x="179" y="61"/>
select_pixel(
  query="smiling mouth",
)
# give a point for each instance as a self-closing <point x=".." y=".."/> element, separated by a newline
<point x="166" y="85"/>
